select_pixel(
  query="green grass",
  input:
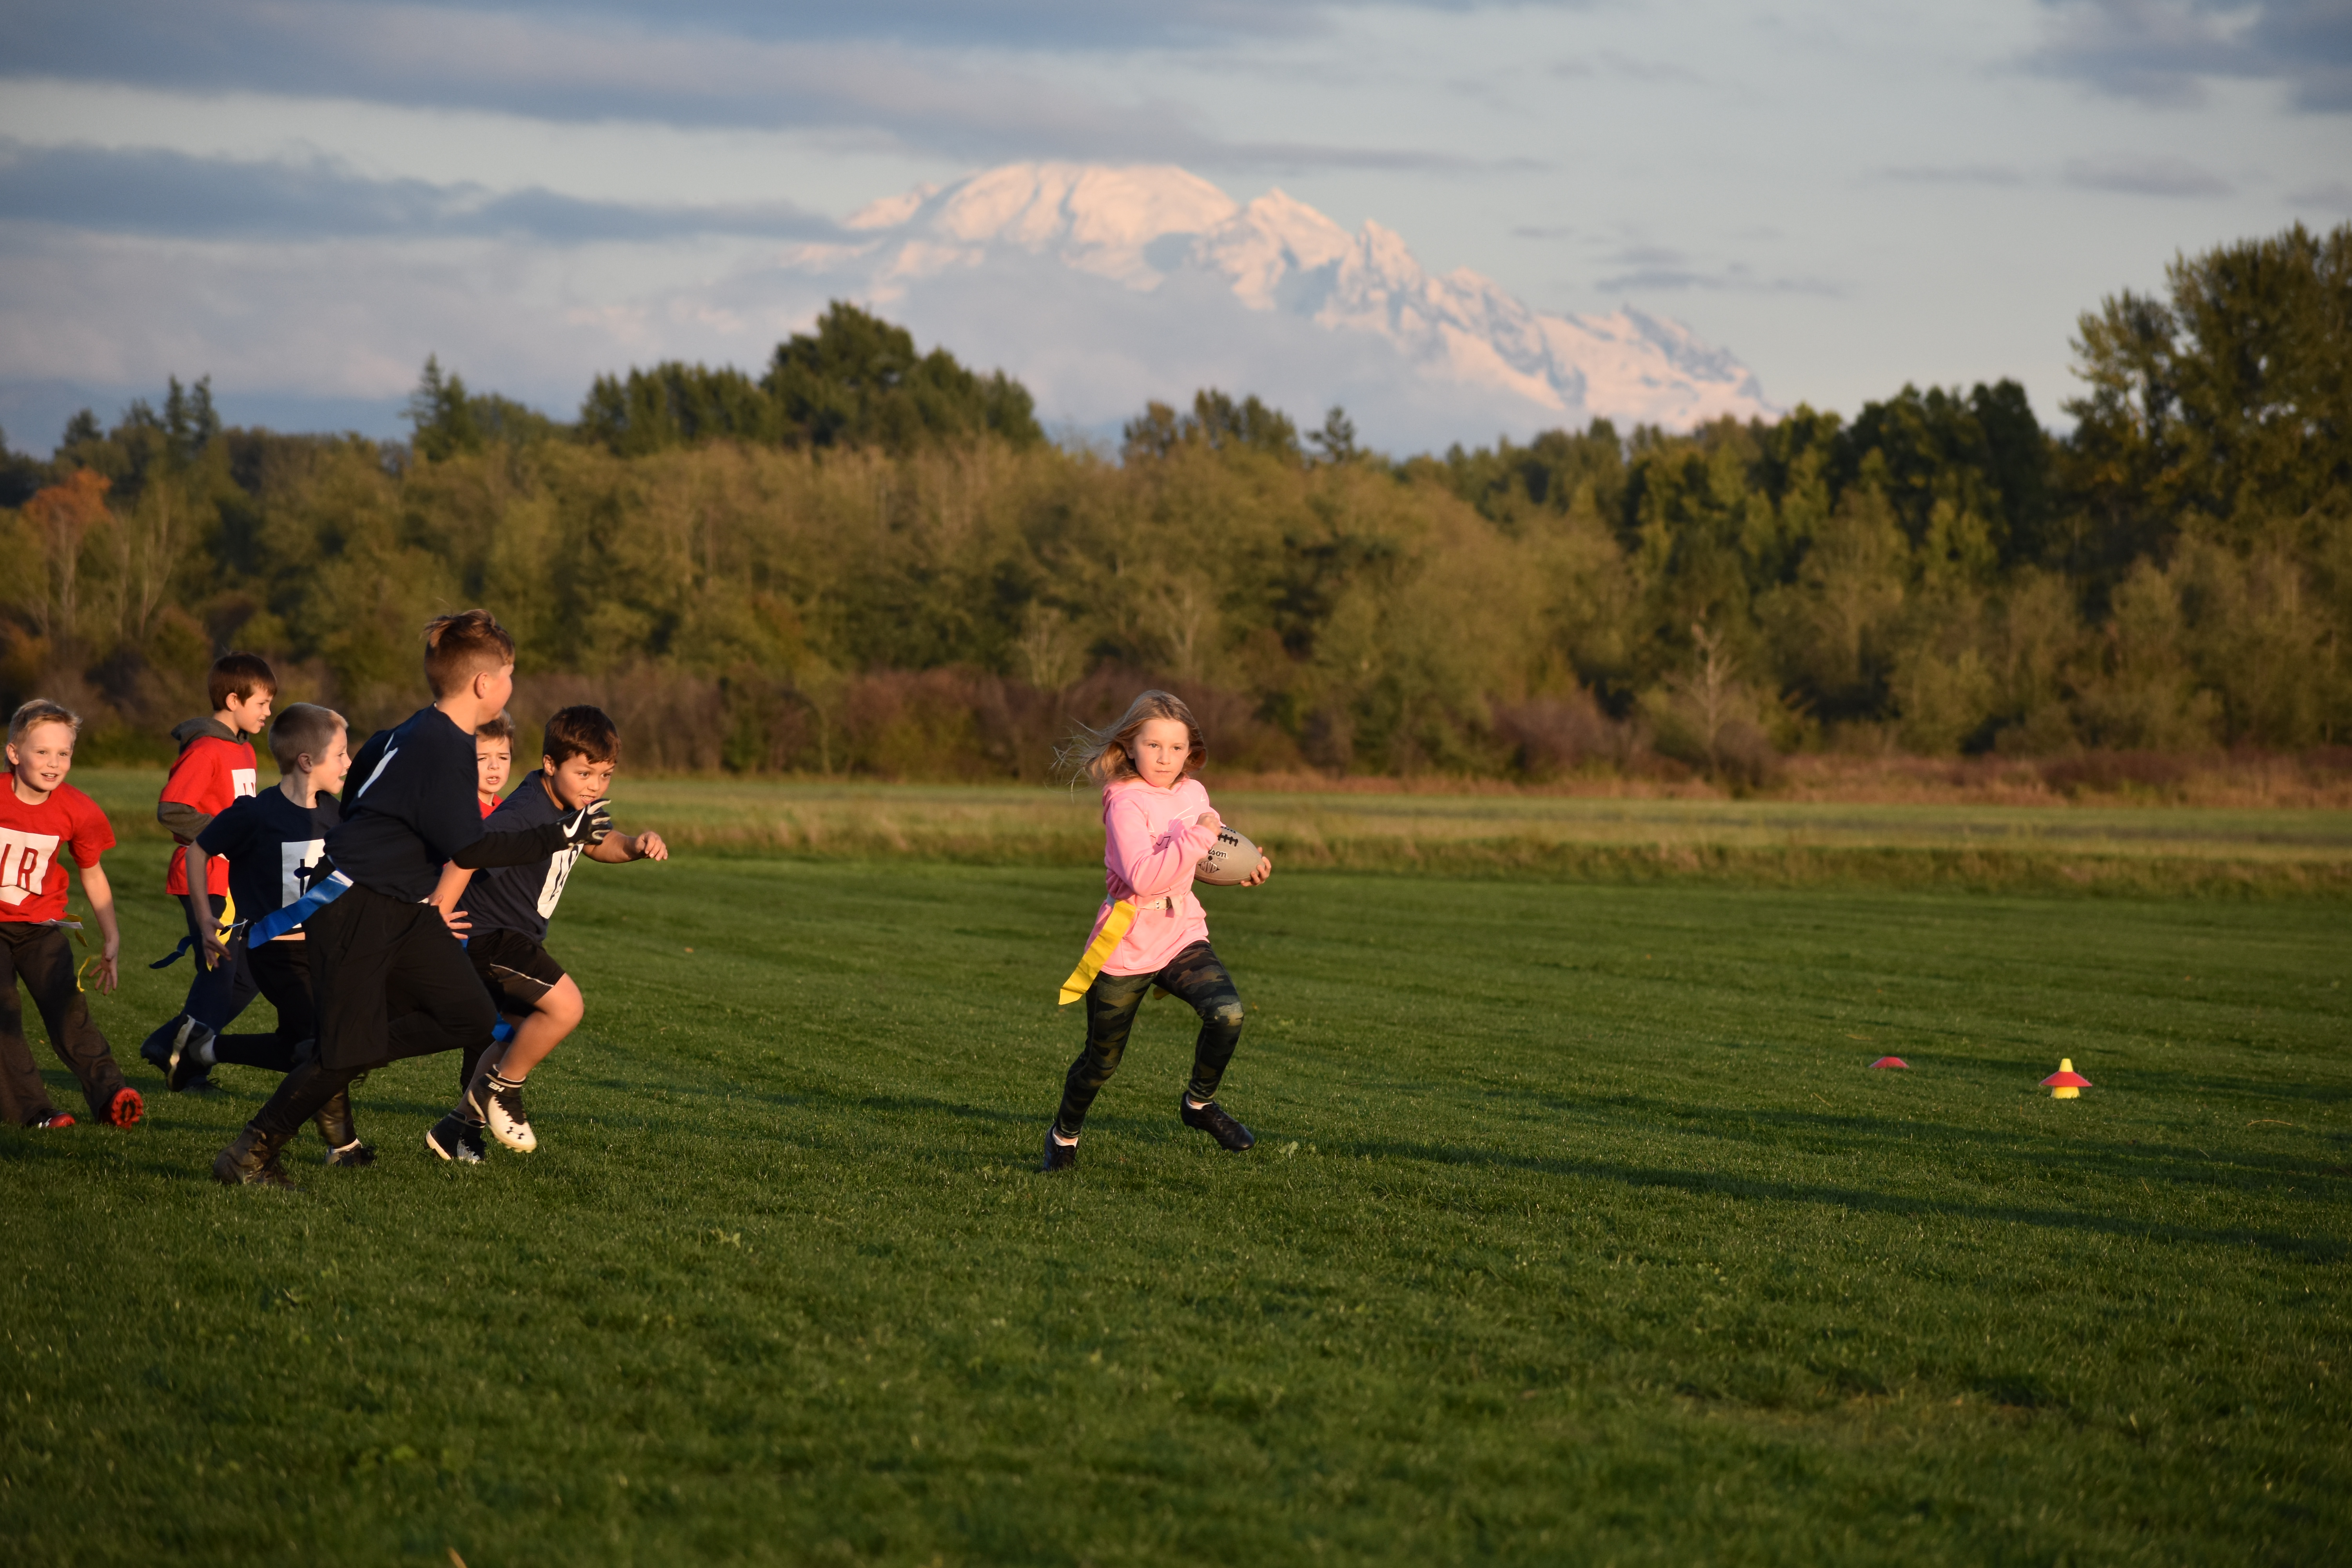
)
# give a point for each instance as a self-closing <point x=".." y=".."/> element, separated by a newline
<point x="2133" y="850"/>
<point x="1577" y="1231"/>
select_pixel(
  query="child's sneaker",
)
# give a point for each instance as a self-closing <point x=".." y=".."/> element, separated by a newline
<point x="54" y="1119"/>
<point x="188" y="1066"/>
<point x="1059" y="1156"/>
<point x="125" y="1109"/>
<point x="510" y="1123"/>
<point x="177" y="1051"/>
<point x="1212" y="1120"/>
<point x="353" y="1153"/>
<point x="456" y="1140"/>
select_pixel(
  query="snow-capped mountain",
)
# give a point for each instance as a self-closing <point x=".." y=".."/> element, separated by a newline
<point x="1100" y="287"/>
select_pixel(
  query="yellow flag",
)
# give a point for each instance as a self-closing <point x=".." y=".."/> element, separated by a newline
<point x="1098" y="951"/>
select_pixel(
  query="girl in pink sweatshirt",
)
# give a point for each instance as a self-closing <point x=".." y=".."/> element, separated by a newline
<point x="1151" y="931"/>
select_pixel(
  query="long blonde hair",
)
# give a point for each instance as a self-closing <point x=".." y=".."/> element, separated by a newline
<point x="1108" y="755"/>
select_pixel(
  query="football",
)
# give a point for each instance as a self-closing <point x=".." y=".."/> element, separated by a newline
<point x="1229" y="860"/>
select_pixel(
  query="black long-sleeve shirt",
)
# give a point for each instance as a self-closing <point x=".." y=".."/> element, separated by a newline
<point x="409" y="807"/>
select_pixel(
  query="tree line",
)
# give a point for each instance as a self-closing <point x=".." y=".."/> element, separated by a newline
<point x="869" y="560"/>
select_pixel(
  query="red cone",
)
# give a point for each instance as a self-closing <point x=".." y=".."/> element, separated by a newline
<point x="1890" y="1062"/>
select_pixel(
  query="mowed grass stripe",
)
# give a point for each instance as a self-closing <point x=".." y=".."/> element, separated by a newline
<point x="1599" y="1241"/>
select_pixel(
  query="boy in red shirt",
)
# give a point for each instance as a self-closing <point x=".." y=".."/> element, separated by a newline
<point x="215" y="767"/>
<point x="40" y="816"/>
<point x="493" y="760"/>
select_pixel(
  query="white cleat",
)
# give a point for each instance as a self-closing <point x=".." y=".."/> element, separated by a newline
<point x="508" y="1122"/>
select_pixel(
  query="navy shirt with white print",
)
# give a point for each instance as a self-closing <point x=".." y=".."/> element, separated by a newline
<point x="521" y="897"/>
<point x="273" y="847"/>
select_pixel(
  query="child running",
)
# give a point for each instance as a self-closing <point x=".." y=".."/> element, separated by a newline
<point x="215" y="767"/>
<point x="275" y="842"/>
<point x="1151" y="932"/>
<point x="504" y="913"/>
<point x="391" y="980"/>
<point x="40" y="814"/>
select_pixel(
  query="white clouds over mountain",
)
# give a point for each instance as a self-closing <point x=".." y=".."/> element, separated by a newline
<point x="1102" y="287"/>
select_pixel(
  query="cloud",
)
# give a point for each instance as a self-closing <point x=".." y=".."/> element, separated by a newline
<point x="2332" y="195"/>
<point x="1953" y="174"/>
<point x="159" y="193"/>
<point x="2139" y="175"/>
<point x="1622" y="67"/>
<point x="1655" y="268"/>
<point x="2164" y="51"/>
<point x="958" y="80"/>
<point x="1060" y="24"/>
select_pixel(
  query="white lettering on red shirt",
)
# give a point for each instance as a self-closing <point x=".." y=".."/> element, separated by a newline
<point x="24" y="864"/>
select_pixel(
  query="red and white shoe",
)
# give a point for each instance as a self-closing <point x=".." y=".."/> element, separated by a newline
<point x="125" y="1109"/>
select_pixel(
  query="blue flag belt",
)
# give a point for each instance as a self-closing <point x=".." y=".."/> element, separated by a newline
<point x="279" y="922"/>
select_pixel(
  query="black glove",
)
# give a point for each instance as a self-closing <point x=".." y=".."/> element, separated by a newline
<point x="589" y="826"/>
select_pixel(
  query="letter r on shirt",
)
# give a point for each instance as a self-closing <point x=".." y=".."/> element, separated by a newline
<point x="24" y="863"/>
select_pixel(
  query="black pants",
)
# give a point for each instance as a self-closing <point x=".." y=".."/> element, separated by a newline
<point x="42" y="957"/>
<point x="216" y="995"/>
<point x="390" y="983"/>
<point x="1195" y="978"/>
<point x="282" y="972"/>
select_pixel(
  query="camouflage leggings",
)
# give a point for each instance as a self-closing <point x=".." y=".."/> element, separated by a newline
<point x="1195" y="978"/>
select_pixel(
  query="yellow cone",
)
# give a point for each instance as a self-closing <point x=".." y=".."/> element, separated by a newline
<point x="2065" y="1083"/>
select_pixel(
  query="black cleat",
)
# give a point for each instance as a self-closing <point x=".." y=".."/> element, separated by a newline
<point x="1212" y="1120"/>
<point x="252" y="1162"/>
<point x="157" y="1048"/>
<point x="173" y="1051"/>
<point x="454" y="1139"/>
<point x="1059" y="1156"/>
<point x="353" y="1153"/>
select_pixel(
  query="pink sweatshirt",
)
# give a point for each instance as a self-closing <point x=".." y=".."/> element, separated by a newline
<point x="1150" y="849"/>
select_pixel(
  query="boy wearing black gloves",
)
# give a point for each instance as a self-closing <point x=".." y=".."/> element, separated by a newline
<point x="391" y="979"/>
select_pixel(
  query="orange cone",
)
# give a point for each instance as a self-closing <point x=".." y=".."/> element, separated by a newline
<point x="1890" y="1062"/>
<point x="2066" y="1083"/>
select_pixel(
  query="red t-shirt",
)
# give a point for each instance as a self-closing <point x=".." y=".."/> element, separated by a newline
<point x="209" y="774"/>
<point x="32" y="876"/>
<point x="488" y="806"/>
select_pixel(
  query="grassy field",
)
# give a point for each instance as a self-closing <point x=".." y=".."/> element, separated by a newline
<point x="1578" y="1231"/>
<point x="2055" y="848"/>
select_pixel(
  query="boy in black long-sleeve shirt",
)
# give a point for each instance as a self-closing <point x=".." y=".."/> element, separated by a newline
<point x="391" y="980"/>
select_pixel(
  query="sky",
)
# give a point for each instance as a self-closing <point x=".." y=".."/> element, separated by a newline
<point x="304" y="198"/>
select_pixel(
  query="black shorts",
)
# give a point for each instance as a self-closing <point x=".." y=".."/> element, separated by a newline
<point x="517" y="970"/>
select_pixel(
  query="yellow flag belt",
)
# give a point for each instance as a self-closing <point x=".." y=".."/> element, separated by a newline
<point x="1098" y="951"/>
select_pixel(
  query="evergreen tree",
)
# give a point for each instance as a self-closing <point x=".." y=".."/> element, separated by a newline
<point x="441" y="415"/>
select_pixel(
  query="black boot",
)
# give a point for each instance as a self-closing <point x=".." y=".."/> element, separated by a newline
<point x="335" y="1125"/>
<point x="252" y="1162"/>
<point x="1059" y="1156"/>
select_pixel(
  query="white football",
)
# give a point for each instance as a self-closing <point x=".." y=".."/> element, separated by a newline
<point x="1229" y="860"/>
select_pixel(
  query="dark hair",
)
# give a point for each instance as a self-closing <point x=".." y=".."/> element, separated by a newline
<point x="460" y="646"/>
<point x="582" y="732"/>
<point x="1108" y="755"/>
<point x="239" y="675"/>
<point x="303" y="727"/>
<point x="41" y="710"/>
<point x="502" y="728"/>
